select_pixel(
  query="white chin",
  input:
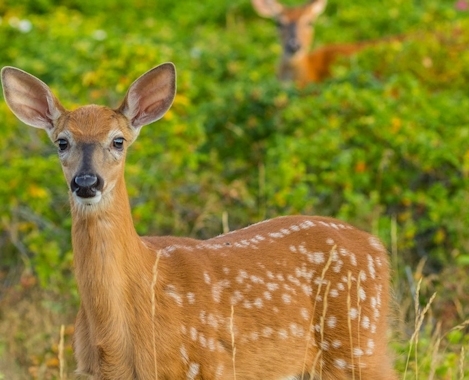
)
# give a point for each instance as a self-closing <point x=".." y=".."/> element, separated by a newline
<point x="88" y="201"/>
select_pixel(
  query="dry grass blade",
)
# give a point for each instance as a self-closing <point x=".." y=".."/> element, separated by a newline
<point x="233" y="347"/>
<point x="153" y="309"/>
<point x="311" y="325"/>
<point x="419" y="317"/>
<point x="461" y="363"/>
<point x="61" y="353"/>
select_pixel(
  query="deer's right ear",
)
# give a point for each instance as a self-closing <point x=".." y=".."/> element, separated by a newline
<point x="30" y="99"/>
<point x="267" y="8"/>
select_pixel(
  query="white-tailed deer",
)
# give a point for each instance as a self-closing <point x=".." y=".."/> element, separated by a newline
<point x="298" y="63"/>
<point x="293" y="297"/>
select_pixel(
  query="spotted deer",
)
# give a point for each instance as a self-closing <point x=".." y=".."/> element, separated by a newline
<point x="294" y="297"/>
<point x="297" y="63"/>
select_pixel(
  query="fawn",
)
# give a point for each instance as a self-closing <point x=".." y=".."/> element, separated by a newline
<point x="294" y="297"/>
<point x="296" y="31"/>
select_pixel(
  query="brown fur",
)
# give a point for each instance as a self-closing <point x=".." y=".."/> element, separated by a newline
<point x="291" y="297"/>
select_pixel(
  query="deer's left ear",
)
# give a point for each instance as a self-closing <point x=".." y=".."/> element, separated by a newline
<point x="150" y="96"/>
<point x="315" y="8"/>
<point x="30" y="99"/>
<point x="267" y="8"/>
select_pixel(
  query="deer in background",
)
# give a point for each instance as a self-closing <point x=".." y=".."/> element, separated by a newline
<point x="295" y="297"/>
<point x="298" y="63"/>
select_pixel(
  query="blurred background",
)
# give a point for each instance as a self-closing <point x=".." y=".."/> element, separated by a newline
<point x="382" y="144"/>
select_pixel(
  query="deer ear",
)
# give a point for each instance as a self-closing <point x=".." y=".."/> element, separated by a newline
<point x="315" y="8"/>
<point x="150" y="96"/>
<point x="30" y="99"/>
<point x="267" y="8"/>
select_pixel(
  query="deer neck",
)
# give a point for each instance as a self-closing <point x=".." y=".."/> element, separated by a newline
<point x="107" y="250"/>
<point x="292" y="66"/>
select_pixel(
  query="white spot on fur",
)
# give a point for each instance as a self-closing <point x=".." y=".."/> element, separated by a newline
<point x="258" y="303"/>
<point x="184" y="356"/>
<point x="286" y="298"/>
<point x="294" y="228"/>
<point x="331" y="322"/>
<point x="267" y="332"/>
<point x="362" y="276"/>
<point x="365" y="322"/>
<point x="242" y="275"/>
<point x="236" y="297"/>
<point x="306" y="224"/>
<point x="190" y="298"/>
<point x="296" y="330"/>
<point x="202" y="340"/>
<point x="172" y="292"/>
<point x="362" y="294"/>
<point x="353" y="259"/>
<point x="307" y="289"/>
<point x="207" y="278"/>
<point x="370" y="347"/>
<point x="219" y="371"/>
<point x="316" y="258"/>
<point x="202" y="316"/>
<point x="212" y="321"/>
<point x="324" y="345"/>
<point x="376" y="244"/>
<point x="211" y="344"/>
<point x="357" y="352"/>
<point x="353" y="313"/>
<point x="276" y="235"/>
<point x="193" y="332"/>
<point x="371" y="267"/>
<point x="334" y="293"/>
<point x="256" y="279"/>
<point x="336" y="343"/>
<point x="340" y="363"/>
<point x="338" y="266"/>
<point x="272" y="286"/>
<point x="294" y="280"/>
<point x="282" y="333"/>
<point x="217" y="289"/>
<point x="193" y="371"/>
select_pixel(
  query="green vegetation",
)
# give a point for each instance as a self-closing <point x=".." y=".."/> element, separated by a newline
<point x="382" y="144"/>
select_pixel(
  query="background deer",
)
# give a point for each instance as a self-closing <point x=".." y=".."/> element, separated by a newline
<point x="296" y="31"/>
<point x="293" y="297"/>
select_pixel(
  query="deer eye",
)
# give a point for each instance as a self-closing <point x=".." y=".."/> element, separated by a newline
<point x="118" y="143"/>
<point x="278" y="24"/>
<point x="62" y="144"/>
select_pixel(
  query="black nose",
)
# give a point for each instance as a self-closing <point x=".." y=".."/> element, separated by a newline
<point x="292" y="45"/>
<point x="86" y="185"/>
